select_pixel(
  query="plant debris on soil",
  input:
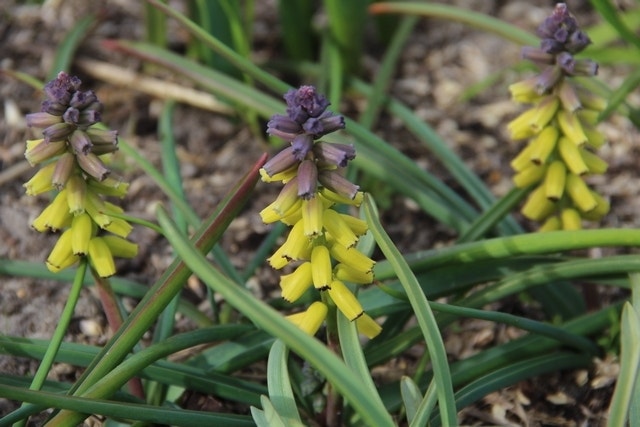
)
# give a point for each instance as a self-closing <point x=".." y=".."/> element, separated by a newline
<point x="440" y="61"/>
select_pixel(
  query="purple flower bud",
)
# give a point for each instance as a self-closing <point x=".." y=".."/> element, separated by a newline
<point x="566" y="62"/>
<point x="283" y="127"/>
<point x="548" y="79"/>
<point x="80" y="142"/>
<point x="301" y="145"/>
<point x="280" y="162"/>
<point x="71" y="116"/>
<point x="585" y="67"/>
<point x="578" y="41"/>
<point x="551" y="46"/>
<point x="305" y="101"/>
<point x="334" y="154"/>
<point x="99" y="136"/>
<point x="338" y="184"/>
<point x="326" y="123"/>
<point x="58" y="131"/>
<point x="62" y="172"/>
<point x="89" y="117"/>
<point x="42" y="119"/>
<point x="539" y="56"/>
<point x="307" y="179"/>
<point x="82" y="99"/>
<point x="92" y="165"/>
<point x="52" y="107"/>
<point x="62" y="87"/>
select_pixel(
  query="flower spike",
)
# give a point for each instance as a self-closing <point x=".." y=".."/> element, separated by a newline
<point x="559" y="125"/>
<point x="313" y="184"/>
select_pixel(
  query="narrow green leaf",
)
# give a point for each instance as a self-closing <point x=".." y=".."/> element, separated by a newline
<point x="609" y="12"/>
<point x="280" y="392"/>
<point x="268" y="416"/>
<point x="623" y="395"/>
<point x="411" y="397"/>
<point x="423" y="313"/>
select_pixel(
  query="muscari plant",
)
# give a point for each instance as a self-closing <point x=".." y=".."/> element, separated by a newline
<point x="317" y="258"/>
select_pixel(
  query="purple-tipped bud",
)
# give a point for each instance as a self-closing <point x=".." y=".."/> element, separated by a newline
<point x="585" y="67"/>
<point x="92" y="165"/>
<point x="307" y="179"/>
<point x="537" y="55"/>
<point x="334" y="154"/>
<point x="301" y="145"/>
<point x="42" y="120"/>
<point x="62" y="172"/>
<point x="89" y="117"/>
<point x="551" y="46"/>
<point x="566" y="62"/>
<point x="338" y="184"/>
<point x="58" y="131"/>
<point x="71" y="116"/>
<point x="99" y="136"/>
<point x="326" y="123"/>
<point x="548" y="79"/>
<point x="280" y="162"/>
<point x="82" y="100"/>
<point x="305" y="102"/>
<point x="55" y="108"/>
<point x="578" y="41"/>
<point x="61" y="88"/>
<point x="283" y="127"/>
<point x="80" y="142"/>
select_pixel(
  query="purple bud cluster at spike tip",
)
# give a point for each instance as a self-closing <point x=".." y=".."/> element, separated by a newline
<point x="306" y="121"/>
<point x="561" y="38"/>
<point x="68" y="115"/>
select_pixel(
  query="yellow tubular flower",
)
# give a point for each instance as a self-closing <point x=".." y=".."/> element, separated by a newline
<point x="39" y="151"/>
<point x="554" y="180"/>
<point x="525" y="91"/>
<point x="594" y="163"/>
<point x="569" y="97"/>
<point x="119" y="227"/>
<point x="352" y="257"/>
<point x="61" y="253"/>
<point x="41" y="182"/>
<point x="529" y="175"/>
<point x="580" y="194"/>
<point x="321" y="267"/>
<point x="278" y="260"/>
<point x="311" y="319"/>
<point x="121" y="248"/>
<point x="523" y="159"/>
<point x="54" y="217"/>
<point x="96" y="208"/>
<point x="545" y="111"/>
<point x="367" y="326"/>
<point x="339" y="229"/>
<point x="588" y="116"/>
<point x="284" y="176"/>
<point x="109" y="187"/>
<point x="571" y="219"/>
<point x="543" y="145"/>
<point x="521" y="127"/>
<point x="345" y="300"/>
<point x="337" y="198"/>
<point x="81" y="232"/>
<point x="101" y="257"/>
<point x="349" y="274"/>
<point x="295" y="284"/>
<point x="571" y="156"/>
<point x="77" y="194"/>
<point x="552" y="223"/>
<point x="538" y="207"/>
<point x="297" y="246"/>
<point x="358" y="226"/>
<point x="312" y="216"/>
<point x="601" y="209"/>
<point x="595" y="138"/>
<point x="571" y="127"/>
<point x="590" y="100"/>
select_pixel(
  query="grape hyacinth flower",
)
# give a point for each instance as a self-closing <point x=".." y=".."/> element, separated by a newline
<point x="321" y="243"/>
<point x="561" y="129"/>
<point x="71" y="155"/>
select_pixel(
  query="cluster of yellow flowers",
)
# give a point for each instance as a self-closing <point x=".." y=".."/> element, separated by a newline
<point x="71" y="157"/>
<point x="561" y="128"/>
<point x="320" y="236"/>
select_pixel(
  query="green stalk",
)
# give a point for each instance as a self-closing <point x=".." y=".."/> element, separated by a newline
<point x="59" y="332"/>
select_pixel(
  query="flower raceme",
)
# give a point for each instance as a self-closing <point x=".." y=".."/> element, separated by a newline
<point x="321" y="243"/>
<point x="561" y="129"/>
<point x="71" y="155"/>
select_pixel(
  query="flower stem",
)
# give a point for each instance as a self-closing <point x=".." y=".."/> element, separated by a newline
<point x="58" y="334"/>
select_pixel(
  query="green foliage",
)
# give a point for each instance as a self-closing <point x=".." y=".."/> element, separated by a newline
<point x="492" y="261"/>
